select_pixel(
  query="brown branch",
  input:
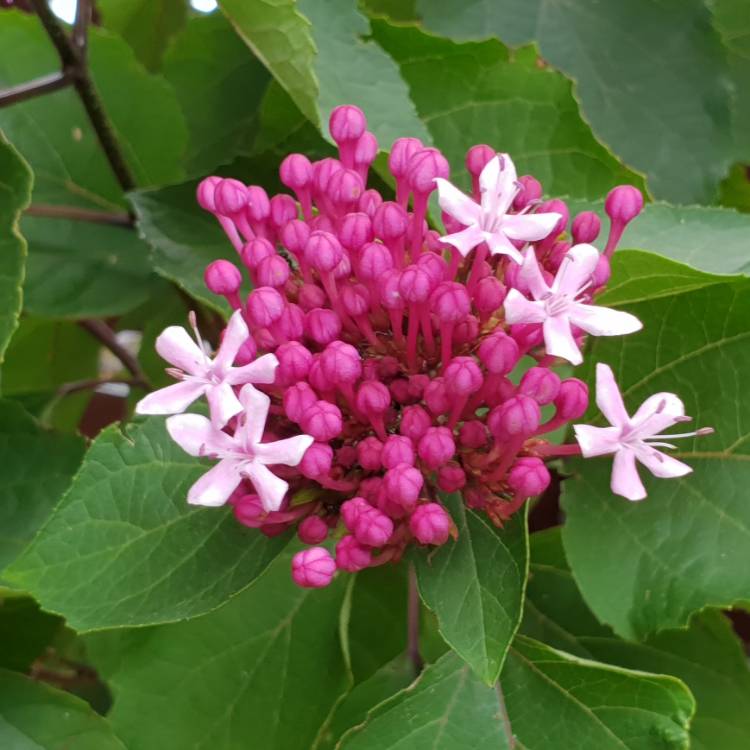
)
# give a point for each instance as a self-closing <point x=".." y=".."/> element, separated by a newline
<point x="81" y="26"/>
<point x="76" y="386"/>
<point x="73" y="63"/>
<point x="74" y="213"/>
<point x="42" y="85"/>
<point x="106" y="336"/>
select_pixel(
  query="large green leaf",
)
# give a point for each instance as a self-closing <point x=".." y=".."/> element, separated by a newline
<point x="146" y="25"/>
<point x="707" y="656"/>
<point x="263" y="671"/>
<point x="124" y="548"/>
<point x="37" y="469"/>
<point x="555" y="700"/>
<point x="447" y="708"/>
<point x="646" y="566"/>
<point x="219" y="84"/>
<point x="475" y="585"/>
<point x="34" y="716"/>
<point x="319" y="52"/>
<point x="15" y="191"/>
<point x="651" y="76"/>
<point x="488" y="95"/>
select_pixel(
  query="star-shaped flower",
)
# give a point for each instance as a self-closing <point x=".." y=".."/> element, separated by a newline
<point x="490" y="221"/>
<point x="634" y="438"/>
<point x="199" y="374"/>
<point x="558" y="307"/>
<point x="241" y="455"/>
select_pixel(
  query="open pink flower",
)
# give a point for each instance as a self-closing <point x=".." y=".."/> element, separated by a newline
<point x="241" y="455"/>
<point x="634" y="439"/>
<point x="558" y="307"/>
<point x="199" y="374"/>
<point x="490" y="221"/>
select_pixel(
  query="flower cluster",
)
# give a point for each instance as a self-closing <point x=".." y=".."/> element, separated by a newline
<point x="399" y="364"/>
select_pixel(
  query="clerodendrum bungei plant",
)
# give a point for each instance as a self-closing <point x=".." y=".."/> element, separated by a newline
<point x="368" y="370"/>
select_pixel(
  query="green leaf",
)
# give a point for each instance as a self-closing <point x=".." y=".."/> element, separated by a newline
<point x="475" y="585"/>
<point x="447" y="708"/>
<point x="37" y="469"/>
<point x="15" y="191"/>
<point x="25" y="631"/>
<point x="146" y="25"/>
<point x="34" y="716"/>
<point x="219" y="84"/>
<point x="263" y="671"/>
<point x="646" y="566"/>
<point x="488" y="95"/>
<point x="555" y="700"/>
<point x="142" y="555"/>
<point x="651" y="106"/>
<point x="707" y="656"/>
<point x="306" y="45"/>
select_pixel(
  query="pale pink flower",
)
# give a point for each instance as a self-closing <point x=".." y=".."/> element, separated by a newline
<point x="559" y="307"/>
<point x="490" y="221"/>
<point x="199" y="374"/>
<point x="634" y="438"/>
<point x="241" y="455"/>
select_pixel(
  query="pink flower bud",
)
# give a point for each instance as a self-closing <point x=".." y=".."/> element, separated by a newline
<point x="312" y="530"/>
<point x="355" y="230"/>
<point x="294" y="236"/>
<point x="417" y="384"/>
<point x="390" y="221"/>
<point x="296" y="172"/>
<point x="434" y="265"/>
<point x="311" y="296"/>
<point x="436" y="397"/>
<point x="370" y="489"/>
<point x="452" y="226"/>
<point x="291" y="324"/>
<point x="401" y="152"/>
<point x="323" y="421"/>
<point x="373" y="398"/>
<point x="414" y="422"/>
<point x="450" y="302"/>
<point x="369" y="451"/>
<point x="518" y="417"/>
<point x="313" y="568"/>
<point x="247" y="353"/>
<point x="585" y="227"/>
<point x="397" y="449"/>
<point x="466" y="330"/>
<point x="499" y="353"/>
<point x="297" y="400"/>
<point x="294" y="363"/>
<point x="283" y="210"/>
<point x="400" y="391"/>
<point x="602" y="272"/>
<point x="402" y="484"/>
<point x="255" y="251"/>
<point x="222" y="277"/>
<point x="249" y="511"/>
<point x="415" y="284"/>
<point x="451" y="477"/>
<point x="344" y="188"/>
<point x="558" y="207"/>
<point x="258" y="205"/>
<point x="541" y="384"/>
<point x="374" y="261"/>
<point x="351" y="556"/>
<point x="572" y="399"/>
<point x="373" y="528"/>
<point x="323" y="251"/>
<point x="488" y="295"/>
<point x="356" y="299"/>
<point x="341" y="363"/>
<point x="462" y="376"/>
<point x="389" y="287"/>
<point x="316" y="378"/>
<point x="436" y="447"/>
<point x="322" y="325"/>
<point x="473" y="434"/>
<point x="623" y="203"/>
<point x="369" y="201"/>
<point x="430" y="524"/>
<point x="388" y="367"/>
<point x="351" y="510"/>
<point x="322" y="172"/>
<point x="205" y="193"/>
<point x="528" y="476"/>
<point x="424" y="167"/>
<point x="230" y="197"/>
<point x="477" y="158"/>
<point x="347" y="123"/>
<point x="264" y="306"/>
<point x="317" y="461"/>
<point x="365" y="150"/>
<point x="531" y="190"/>
<point x="272" y="271"/>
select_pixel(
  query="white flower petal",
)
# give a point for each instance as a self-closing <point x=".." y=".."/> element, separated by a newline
<point x="459" y="205"/>
<point x="576" y="269"/>
<point x="656" y="414"/>
<point x="497" y="183"/>
<point x="529" y="227"/>
<point x="596" y="441"/>
<point x="262" y="370"/>
<point x="175" y="345"/>
<point x="171" y="400"/>
<point x="197" y="437"/>
<point x="270" y="488"/>
<point x="465" y="240"/>
<point x="608" y="397"/>
<point x="625" y="480"/>
<point x="531" y="275"/>
<point x="499" y="244"/>
<point x="235" y="335"/>
<point x="602" y="321"/>
<point x="256" y="406"/>
<point x="215" y="487"/>
<point x="288" y="451"/>
<point x="222" y="403"/>
<point x="518" y="309"/>
<point x="660" y="464"/>
<point x="559" y="340"/>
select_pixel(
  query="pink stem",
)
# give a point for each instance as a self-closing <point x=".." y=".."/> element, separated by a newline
<point x="305" y="202"/>
<point x="548" y="449"/>
<point x="510" y="451"/>
<point x="446" y="343"/>
<point x="397" y="325"/>
<point x="402" y="192"/>
<point x="411" y="336"/>
<point x="417" y="220"/>
<point x="231" y="231"/>
<point x="456" y="258"/>
<point x="456" y="410"/>
<point x="234" y="300"/>
<point x="366" y="327"/>
<point x="426" y="324"/>
<point x="376" y="420"/>
<point x="615" y="233"/>
<point x="244" y="227"/>
<point x="479" y="257"/>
